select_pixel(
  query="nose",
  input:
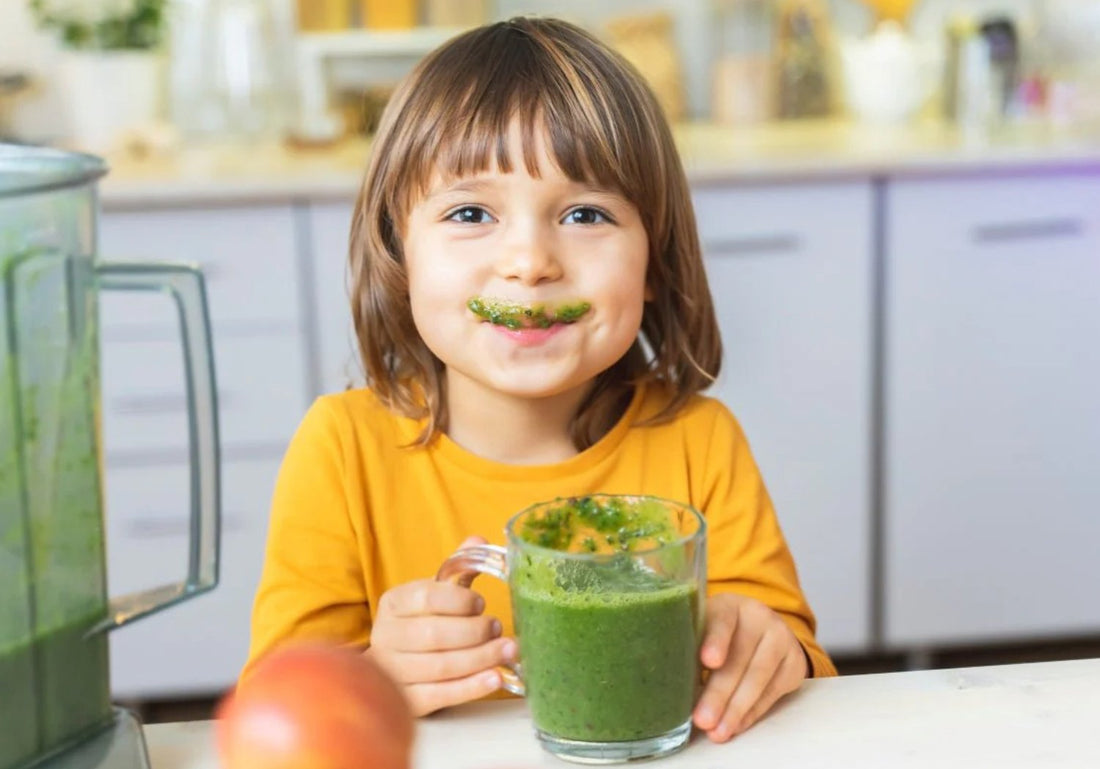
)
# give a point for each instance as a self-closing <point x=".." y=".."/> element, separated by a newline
<point x="529" y="256"/>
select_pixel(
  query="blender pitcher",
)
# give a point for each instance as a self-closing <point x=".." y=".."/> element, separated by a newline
<point x="53" y="599"/>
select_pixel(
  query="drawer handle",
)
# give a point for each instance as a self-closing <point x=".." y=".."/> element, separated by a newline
<point x="159" y="403"/>
<point x="1037" y="229"/>
<point x="754" y="245"/>
<point x="158" y="527"/>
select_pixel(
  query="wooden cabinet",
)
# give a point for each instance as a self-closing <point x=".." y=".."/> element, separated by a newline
<point x="790" y="269"/>
<point x="992" y="408"/>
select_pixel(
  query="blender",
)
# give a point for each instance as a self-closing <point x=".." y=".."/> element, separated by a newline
<point x="55" y="708"/>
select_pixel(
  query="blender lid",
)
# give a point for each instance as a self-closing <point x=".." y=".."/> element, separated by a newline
<point x="25" y="170"/>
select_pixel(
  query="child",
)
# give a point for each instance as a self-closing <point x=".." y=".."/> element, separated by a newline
<point x="534" y="320"/>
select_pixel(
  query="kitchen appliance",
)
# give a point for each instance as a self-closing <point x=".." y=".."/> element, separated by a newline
<point x="741" y="87"/>
<point x="55" y="708"/>
<point x="231" y="69"/>
<point x="804" y="75"/>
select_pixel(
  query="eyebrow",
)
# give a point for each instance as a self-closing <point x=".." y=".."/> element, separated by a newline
<point x="462" y="185"/>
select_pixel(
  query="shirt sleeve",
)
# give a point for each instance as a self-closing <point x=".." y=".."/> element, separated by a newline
<point x="747" y="553"/>
<point x="312" y="587"/>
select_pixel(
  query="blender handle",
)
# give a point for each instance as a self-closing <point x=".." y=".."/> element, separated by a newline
<point x="184" y="283"/>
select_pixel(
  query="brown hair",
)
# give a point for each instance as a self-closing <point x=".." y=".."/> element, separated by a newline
<point x="602" y="124"/>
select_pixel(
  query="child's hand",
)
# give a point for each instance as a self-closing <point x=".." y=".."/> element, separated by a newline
<point x="433" y="639"/>
<point x="754" y="658"/>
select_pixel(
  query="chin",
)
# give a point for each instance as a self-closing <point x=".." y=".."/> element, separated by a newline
<point x="536" y="384"/>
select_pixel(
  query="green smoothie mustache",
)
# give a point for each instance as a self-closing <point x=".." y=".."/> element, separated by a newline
<point x="515" y="316"/>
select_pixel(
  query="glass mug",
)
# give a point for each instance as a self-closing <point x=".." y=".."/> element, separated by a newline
<point x="608" y="629"/>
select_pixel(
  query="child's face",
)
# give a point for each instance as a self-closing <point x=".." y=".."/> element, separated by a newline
<point x="516" y="242"/>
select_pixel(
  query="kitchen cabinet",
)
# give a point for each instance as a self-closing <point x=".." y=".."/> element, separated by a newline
<point x="992" y="413"/>
<point x="248" y="254"/>
<point x="337" y="352"/>
<point x="937" y="329"/>
<point x="259" y="311"/>
<point x="199" y="646"/>
<point x="790" y="269"/>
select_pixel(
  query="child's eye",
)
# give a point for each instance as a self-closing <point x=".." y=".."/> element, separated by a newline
<point x="469" y="215"/>
<point x="586" y="215"/>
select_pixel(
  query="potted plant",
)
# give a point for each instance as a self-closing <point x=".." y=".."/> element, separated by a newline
<point x="109" y="65"/>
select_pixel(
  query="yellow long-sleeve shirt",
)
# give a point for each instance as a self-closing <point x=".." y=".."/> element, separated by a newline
<point x="357" y="511"/>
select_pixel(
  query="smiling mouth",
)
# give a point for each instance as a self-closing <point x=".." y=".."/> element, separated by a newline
<point x="516" y="316"/>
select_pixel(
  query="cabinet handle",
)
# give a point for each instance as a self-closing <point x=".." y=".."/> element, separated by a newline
<point x="1035" y="229"/>
<point x="779" y="243"/>
<point x="159" y="527"/>
<point x="158" y="403"/>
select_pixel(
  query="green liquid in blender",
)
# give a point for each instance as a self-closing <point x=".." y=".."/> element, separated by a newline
<point x="54" y="682"/>
<point x="55" y="689"/>
<point x="18" y="713"/>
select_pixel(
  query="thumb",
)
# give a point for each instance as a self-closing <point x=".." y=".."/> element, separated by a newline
<point x="474" y="540"/>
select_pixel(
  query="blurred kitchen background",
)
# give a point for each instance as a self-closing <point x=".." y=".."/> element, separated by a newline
<point x="900" y="209"/>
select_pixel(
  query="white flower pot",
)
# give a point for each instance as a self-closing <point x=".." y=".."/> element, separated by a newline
<point x="109" y="93"/>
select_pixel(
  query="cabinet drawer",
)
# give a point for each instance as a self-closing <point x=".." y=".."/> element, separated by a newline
<point x="780" y="221"/>
<point x="975" y="218"/>
<point x="261" y="396"/>
<point x="248" y="256"/>
<point x="200" y="645"/>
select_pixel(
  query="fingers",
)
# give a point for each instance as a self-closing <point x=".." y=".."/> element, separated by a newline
<point x="726" y="679"/>
<point x="419" y="668"/>
<point x="760" y="671"/>
<point x="785" y="680"/>
<point x="429" y="697"/>
<point x="427" y="597"/>
<point x="434" y="634"/>
<point x="721" y="624"/>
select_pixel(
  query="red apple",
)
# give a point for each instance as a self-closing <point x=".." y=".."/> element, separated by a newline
<point x="315" y="707"/>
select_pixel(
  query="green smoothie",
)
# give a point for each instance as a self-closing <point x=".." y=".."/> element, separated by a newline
<point x="608" y="666"/>
<point x="18" y="715"/>
<point x="53" y="681"/>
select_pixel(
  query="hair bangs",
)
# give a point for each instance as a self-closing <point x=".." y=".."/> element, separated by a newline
<point x="521" y="78"/>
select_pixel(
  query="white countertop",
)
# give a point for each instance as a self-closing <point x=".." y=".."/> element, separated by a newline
<point x="1038" y="716"/>
<point x="802" y="150"/>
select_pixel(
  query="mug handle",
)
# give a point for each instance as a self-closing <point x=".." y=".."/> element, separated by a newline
<point x="461" y="568"/>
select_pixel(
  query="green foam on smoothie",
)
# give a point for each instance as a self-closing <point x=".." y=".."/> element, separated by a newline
<point x="591" y="524"/>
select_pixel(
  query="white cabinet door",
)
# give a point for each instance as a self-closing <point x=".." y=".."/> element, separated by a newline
<point x="199" y="646"/>
<point x="330" y="226"/>
<point x="260" y="386"/>
<point x="790" y="268"/>
<point x="992" y="409"/>
<point x="248" y="255"/>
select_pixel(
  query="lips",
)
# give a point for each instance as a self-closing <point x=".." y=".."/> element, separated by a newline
<point x="529" y="337"/>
